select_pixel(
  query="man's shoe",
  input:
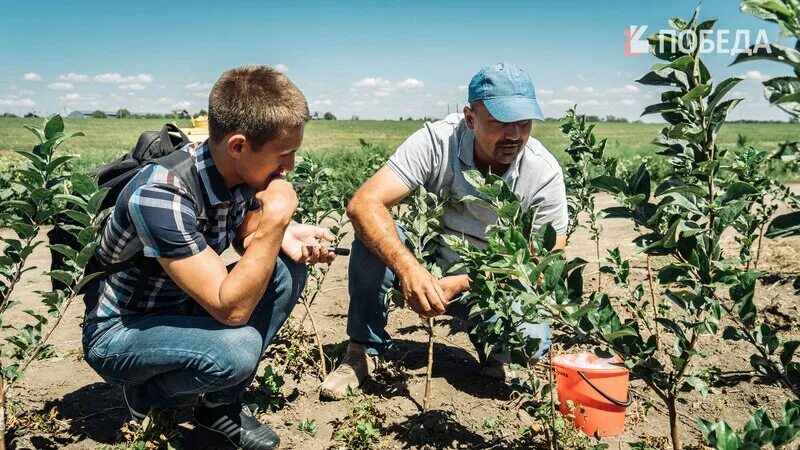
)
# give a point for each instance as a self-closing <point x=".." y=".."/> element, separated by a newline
<point x="237" y="424"/>
<point x="137" y="412"/>
<point x="354" y="369"/>
<point x="493" y="369"/>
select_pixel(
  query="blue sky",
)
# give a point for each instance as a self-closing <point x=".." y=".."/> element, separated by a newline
<point x="372" y="59"/>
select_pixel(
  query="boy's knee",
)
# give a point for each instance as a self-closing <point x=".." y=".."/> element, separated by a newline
<point x="236" y="357"/>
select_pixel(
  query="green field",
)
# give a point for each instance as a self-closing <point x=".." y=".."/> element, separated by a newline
<point x="108" y="138"/>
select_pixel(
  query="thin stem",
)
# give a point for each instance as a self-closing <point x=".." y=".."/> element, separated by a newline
<point x="653" y="299"/>
<point x="758" y="250"/>
<point x="429" y="372"/>
<point x="673" y="423"/>
<point x="552" y="401"/>
<point x="323" y="372"/>
<point x="2" y="414"/>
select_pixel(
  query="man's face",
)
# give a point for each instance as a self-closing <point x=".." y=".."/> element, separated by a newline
<point x="496" y="143"/>
<point x="275" y="158"/>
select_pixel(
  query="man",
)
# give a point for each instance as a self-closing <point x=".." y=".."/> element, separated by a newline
<point x="198" y="329"/>
<point x="493" y="135"/>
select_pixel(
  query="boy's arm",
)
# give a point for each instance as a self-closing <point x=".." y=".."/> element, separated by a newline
<point x="231" y="297"/>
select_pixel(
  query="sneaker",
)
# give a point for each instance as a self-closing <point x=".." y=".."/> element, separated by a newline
<point x="137" y="412"/>
<point x="353" y="370"/>
<point x="236" y="422"/>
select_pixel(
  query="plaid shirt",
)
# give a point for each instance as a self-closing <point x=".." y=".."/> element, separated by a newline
<point x="155" y="214"/>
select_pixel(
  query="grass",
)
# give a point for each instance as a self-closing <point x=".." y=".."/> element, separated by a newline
<point x="108" y="138"/>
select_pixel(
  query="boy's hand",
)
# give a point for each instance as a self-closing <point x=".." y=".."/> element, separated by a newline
<point x="300" y="243"/>
<point x="278" y="202"/>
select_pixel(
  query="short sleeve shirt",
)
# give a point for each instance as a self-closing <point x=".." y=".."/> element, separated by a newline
<point x="155" y="214"/>
<point x="436" y="157"/>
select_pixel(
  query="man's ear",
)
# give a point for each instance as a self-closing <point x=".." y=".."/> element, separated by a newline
<point x="469" y="117"/>
<point x="236" y="144"/>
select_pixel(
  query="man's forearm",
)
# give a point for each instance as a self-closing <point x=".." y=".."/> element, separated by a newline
<point x="375" y="227"/>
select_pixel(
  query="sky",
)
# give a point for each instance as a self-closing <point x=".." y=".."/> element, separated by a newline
<point x="374" y="60"/>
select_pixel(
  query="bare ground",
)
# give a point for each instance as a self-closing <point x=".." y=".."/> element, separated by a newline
<point x="468" y="411"/>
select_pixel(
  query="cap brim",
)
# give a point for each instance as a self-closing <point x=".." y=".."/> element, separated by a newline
<point x="513" y="109"/>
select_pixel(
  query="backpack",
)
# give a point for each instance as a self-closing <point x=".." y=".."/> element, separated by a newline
<point x="159" y="147"/>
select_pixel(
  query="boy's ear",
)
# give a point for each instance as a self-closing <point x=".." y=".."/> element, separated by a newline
<point x="469" y="116"/>
<point x="236" y="144"/>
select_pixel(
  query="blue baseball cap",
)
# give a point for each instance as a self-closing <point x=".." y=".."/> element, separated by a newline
<point x="507" y="91"/>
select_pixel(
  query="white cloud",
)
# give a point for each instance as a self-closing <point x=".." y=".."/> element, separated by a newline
<point x="200" y="94"/>
<point x="323" y="102"/>
<point x="181" y="105"/>
<point x="25" y="102"/>
<point x="588" y="90"/>
<point x="545" y="92"/>
<point x="382" y="94"/>
<point x="26" y="92"/>
<point x="115" y="78"/>
<point x="372" y="82"/>
<point x="76" y="77"/>
<point x="440" y="103"/>
<point x="60" y="86"/>
<point x="590" y="103"/>
<point x="628" y="102"/>
<point x="132" y="87"/>
<point x="756" y="75"/>
<point x="198" y="86"/>
<point x="31" y="76"/>
<point x="571" y="89"/>
<point x="560" y="102"/>
<point x="71" y="96"/>
<point x="409" y="83"/>
<point x="462" y="87"/>
<point x="627" y="89"/>
<point x="281" y="68"/>
<point x="164" y="101"/>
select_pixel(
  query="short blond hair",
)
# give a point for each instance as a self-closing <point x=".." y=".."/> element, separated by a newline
<point x="259" y="101"/>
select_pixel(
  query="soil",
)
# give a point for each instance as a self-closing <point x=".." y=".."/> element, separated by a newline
<point x="467" y="410"/>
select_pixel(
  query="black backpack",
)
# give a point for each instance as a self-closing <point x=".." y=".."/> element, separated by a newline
<point x="158" y="147"/>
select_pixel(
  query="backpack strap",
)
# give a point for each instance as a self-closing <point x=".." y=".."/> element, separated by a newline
<point x="182" y="165"/>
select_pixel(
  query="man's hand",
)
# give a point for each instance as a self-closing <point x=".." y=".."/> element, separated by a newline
<point x="422" y="291"/>
<point x="300" y="244"/>
<point x="453" y="286"/>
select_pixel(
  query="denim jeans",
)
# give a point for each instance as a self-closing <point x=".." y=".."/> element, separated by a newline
<point x="368" y="281"/>
<point x="174" y="355"/>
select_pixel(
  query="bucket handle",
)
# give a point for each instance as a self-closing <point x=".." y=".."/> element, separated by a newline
<point x="624" y="404"/>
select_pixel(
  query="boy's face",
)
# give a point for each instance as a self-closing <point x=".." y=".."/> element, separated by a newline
<point x="275" y="158"/>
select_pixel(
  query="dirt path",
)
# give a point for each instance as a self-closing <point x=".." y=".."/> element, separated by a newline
<point x="468" y="410"/>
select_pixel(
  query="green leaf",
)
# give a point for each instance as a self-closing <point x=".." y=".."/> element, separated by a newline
<point x="83" y="184"/>
<point x="698" y="92"/>
<point x="62" y="276"/>
<point x="37" y="131"/>
<point x="53" y="126"/>
<point x="85" y="280"/>
<point x="736" y="191"/>
<point x="719" y="93"/>
<point x="784" y="225"/>
<point x="609" y="184"/>
<point x="771" y="52"/>
<point x="80" y="217"/>
<point x="787" y="353"/>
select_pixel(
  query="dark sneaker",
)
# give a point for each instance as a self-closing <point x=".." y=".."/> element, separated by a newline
<point x="137" y="412"/>
<point x="236" y="422"/>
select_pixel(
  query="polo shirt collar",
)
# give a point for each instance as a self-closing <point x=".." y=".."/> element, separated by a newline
<point x="212" y="180"/>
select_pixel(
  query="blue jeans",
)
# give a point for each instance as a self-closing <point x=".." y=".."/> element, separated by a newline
<point x="174" y="355"/>
<point x="368" y="281"/>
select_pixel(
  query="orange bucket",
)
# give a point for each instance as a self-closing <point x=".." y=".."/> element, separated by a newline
<point x="597" y="389"/>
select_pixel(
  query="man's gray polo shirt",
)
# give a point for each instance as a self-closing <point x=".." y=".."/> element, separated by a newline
<point x="436" y="157"/>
